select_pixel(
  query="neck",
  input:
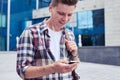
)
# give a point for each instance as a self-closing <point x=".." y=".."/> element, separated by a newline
<point x="52" y="25"/>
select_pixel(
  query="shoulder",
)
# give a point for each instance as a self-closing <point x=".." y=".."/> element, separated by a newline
<point x="34" y="27"/>
<point x="69" y="32"/>
<point x="30" y="30"/>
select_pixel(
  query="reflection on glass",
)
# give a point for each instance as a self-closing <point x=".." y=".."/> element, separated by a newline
<point x="2" y="20"/>
<point x="85" y="19"/>
<point x="91" y="27"/>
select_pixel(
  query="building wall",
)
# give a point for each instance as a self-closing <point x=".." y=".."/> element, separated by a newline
<point x="89" y="5"/>
<point x="110" y="53"/>
<point x="112" y="22"/>
<point x="100" y="54"/>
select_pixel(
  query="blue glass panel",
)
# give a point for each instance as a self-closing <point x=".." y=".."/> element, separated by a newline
<point x="91" y="27"/>
<point x="85" y="19"/>
<point x="3" y="25"/>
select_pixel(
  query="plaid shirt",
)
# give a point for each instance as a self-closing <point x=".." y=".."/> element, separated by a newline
<point x="33" y="50"/>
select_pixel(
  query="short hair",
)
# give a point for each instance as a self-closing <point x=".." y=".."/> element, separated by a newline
<point x="67" y="2"/>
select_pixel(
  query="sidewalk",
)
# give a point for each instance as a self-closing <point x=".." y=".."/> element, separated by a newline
<point x="92" y="71"/>
<point x="87" y="71"/>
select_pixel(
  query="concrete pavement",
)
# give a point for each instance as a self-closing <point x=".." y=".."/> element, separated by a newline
<point x="8" y="66"/>
<point x="87" y="71"/>
<point x="93" y="71"/>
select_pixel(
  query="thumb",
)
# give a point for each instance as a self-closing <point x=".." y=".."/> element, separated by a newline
<point x="66" y="41"/>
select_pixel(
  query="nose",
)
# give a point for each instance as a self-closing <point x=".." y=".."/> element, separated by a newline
<point x="65" y="18"/>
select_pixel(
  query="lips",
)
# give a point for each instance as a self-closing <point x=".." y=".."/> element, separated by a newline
<point x="62" y="22"/>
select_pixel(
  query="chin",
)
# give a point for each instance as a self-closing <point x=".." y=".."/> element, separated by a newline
<point x="60" y="26"/>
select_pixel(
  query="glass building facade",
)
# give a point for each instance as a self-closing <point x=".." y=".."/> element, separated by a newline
<point x="91" y="27"/>
<point x="88" y="24"/>
<point x="20" y="15"/>
<point x="3" y="24"/>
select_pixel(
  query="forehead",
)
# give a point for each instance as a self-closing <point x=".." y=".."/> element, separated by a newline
<point x="65" y="8"/>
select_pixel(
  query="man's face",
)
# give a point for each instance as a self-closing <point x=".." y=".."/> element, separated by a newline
<point x="61" y="14"/>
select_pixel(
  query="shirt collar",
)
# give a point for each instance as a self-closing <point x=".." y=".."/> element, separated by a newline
<point x="44" y="28"/>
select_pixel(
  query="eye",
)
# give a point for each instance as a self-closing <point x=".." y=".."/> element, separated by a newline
<point x="60" y="13"/>
<point x="69" y="15"/>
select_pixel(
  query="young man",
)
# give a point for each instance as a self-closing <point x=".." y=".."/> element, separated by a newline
<point x="44" y="48"/>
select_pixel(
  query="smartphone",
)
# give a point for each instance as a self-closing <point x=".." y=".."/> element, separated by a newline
<point x="71" y="62"/>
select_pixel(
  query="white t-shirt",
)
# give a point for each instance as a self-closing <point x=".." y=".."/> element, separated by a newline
<point x="55" y="42"/>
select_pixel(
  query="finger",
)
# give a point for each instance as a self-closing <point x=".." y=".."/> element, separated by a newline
<point x="63" y="61"/>
<point x="66" y="41"/>
<point x="74" y="65"/>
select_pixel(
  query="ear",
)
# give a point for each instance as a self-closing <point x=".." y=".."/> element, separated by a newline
<point x="50" y="8"/>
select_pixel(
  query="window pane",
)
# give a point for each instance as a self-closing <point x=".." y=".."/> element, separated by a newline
<point x="91" y="27"/>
